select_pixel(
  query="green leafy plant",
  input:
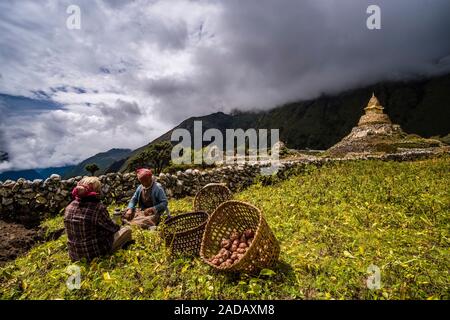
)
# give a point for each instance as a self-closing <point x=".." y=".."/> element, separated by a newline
<point x="157" y="156"/>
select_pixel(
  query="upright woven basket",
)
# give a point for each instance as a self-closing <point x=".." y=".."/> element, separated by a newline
<point x="240" y="216"/>
<point x="183" y="233"/>
<point x="211" y="196"/>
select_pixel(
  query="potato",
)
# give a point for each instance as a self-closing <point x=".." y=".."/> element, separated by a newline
<point x="226" y="255"/>
<point x="234" y="236"/>
<point x="243" y="245"/>
<point x="233" y="249"/>
<point x="225" y="244"/>
<point x="249" y="233"/>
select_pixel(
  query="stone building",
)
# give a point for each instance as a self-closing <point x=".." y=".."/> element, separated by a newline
<point x="375" y="133"/>
<point x="374" y="113"/>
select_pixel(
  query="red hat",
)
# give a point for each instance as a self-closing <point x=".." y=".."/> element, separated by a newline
<point x="142" y="173"/>
<point x="82" y="191"/>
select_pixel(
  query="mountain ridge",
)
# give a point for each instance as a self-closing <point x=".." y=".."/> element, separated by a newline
<point x="32" y="174"/>
<point x="103" y="160"/>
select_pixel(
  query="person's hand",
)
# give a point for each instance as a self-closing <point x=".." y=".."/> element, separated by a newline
<point x="149" y="211"/>
<point x="129" y="214"/>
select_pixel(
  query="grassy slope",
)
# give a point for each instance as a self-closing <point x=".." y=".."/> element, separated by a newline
<point x="332" y="224"/>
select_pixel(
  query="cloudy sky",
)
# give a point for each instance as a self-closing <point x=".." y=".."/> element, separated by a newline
<point x="135" y="69"/>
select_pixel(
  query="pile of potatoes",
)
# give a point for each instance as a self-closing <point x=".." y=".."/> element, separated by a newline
<point x="233" y="249"/>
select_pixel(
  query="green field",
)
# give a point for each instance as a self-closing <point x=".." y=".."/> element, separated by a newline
<point x="332" y="223"/>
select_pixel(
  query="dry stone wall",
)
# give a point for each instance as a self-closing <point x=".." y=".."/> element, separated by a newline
<point x="48" y="197"/>
<point x="43" y="198"/>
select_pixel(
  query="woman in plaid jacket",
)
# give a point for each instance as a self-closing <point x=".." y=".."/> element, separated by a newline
<point x="90" y="231"/>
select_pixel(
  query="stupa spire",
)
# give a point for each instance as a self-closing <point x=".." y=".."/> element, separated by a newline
<point x="374" y="104"/>
<point x="374" y="113"/>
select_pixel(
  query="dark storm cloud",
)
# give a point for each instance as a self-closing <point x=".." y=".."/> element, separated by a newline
<point x="169" y="87"/>
<point x="171" y="35"/>
<point x="166" y="33"/>
<point x="2" y="141"/>
<point x="2" y="118"/>
<point x="117" y="4"/>
<point x="271" y="52"/>
<point x="122" y="110"/>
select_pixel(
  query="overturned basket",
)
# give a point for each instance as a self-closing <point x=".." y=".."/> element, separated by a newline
<point x="183" y="233"/>
<point x="211" y="196"/>
<point x="239" y="216"/>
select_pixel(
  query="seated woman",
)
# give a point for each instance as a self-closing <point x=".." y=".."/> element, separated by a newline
<point x="149" y="201"/>
<point x="90" y="231"/>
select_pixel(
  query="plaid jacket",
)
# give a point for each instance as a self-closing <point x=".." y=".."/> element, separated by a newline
<point x="90" y="230"/>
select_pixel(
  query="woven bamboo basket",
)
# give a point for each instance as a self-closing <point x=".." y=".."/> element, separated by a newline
<point x="183" y="233"/>
<point x="211" y="196"/>
<point x="239" y="216"/>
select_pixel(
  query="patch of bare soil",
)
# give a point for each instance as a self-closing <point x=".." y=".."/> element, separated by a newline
<point x="17" y="239"/>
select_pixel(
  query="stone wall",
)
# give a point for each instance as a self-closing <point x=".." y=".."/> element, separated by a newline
<point x="40" y="199"/>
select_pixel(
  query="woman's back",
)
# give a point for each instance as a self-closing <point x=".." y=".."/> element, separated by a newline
<point x="90" y="231"/>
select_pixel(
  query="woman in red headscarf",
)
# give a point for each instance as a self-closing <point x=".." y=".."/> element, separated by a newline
<point x="90" y="230"/>
<point x="148" y="203"/>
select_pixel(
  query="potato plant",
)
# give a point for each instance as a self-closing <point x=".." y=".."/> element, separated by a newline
<point x="333" y="223"/>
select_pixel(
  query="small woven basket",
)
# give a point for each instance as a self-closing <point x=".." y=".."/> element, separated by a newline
<point x="240" y="216"/>
<point x="211" y="196"/>
<point x="183" y="233"/>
